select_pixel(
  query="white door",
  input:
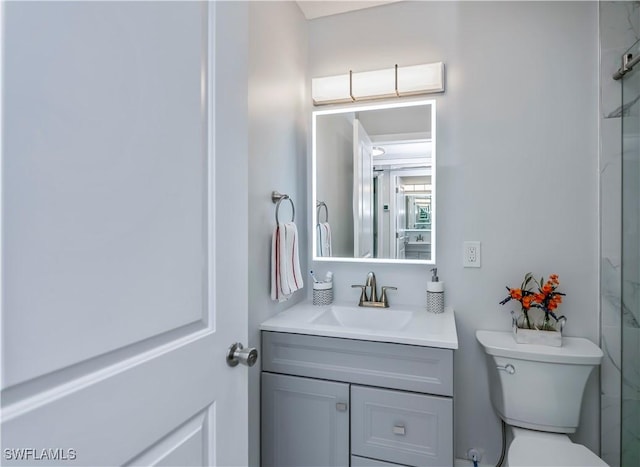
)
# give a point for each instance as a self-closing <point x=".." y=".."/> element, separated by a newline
<point x="362" y="192"/>
<point x="379" y="182"/>
<point x="114" y="322"/>
<point x="400" y="220"/>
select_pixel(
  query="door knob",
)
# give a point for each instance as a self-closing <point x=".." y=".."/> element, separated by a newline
<point x="238" y="354"/>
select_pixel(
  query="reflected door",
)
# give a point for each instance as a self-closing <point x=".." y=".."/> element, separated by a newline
<point x="114" y="339"/>
<point x="362" y="192"/>
<point x="401" y="222"/>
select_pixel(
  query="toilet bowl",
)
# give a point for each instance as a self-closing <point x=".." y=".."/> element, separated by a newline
<point x="537" y="390"/>
<point x="529" y="448"/>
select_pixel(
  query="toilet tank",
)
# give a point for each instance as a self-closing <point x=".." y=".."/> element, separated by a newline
<point x="535" y="386"/>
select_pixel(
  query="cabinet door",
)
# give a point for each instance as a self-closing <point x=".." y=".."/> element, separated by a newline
<point x="305" y="422"/>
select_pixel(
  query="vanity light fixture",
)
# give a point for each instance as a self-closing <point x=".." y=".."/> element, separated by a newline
<point x="377" y="151"/>
<point x="398" y="81"/>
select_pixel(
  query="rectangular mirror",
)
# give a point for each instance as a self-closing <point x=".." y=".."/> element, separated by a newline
<point x="374" y="183"/>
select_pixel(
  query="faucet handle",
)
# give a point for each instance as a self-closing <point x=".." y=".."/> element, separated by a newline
<point x="383" y="299"/>
<point x="363" y="295"/>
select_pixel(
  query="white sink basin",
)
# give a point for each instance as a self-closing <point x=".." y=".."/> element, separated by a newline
<point x="398" y="324"/>
<point x="374" y="319"/>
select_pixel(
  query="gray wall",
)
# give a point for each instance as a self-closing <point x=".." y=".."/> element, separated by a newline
<point x="334" y="166"/>
<point x="278" y="120"/>
<point x="517" y="133"/>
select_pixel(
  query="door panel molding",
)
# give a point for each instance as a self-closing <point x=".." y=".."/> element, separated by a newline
<point x="142" y="403"/>
<point x="93" y="366"/>
<point x="22" y="405"/>
<point x="184" y="446"/>
<point x="105" y="174"/>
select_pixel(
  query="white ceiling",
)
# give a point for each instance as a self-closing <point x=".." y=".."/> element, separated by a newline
<point x="318" y="8"/>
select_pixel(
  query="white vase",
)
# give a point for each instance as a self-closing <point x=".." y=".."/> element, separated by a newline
<point x="535" y="336"/>
<point x="543" y="332"/>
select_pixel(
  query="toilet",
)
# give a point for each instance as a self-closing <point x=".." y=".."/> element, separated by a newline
<point x="537" y="390"/>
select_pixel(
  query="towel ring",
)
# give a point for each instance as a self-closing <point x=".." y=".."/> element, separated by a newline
<point x="319" y="205"/>
<point x="278" y="198"/>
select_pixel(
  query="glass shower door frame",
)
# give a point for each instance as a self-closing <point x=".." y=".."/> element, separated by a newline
<point x="630" y="274"/>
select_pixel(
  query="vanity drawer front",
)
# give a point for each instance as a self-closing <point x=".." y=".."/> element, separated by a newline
<point x="397" y="366"/>
<point x="400" y="427"/>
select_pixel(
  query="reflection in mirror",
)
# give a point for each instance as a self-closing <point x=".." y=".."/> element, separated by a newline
<point x="374" y="183"/>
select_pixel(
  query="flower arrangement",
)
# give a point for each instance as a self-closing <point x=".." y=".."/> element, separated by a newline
<point x="547" y="298"/>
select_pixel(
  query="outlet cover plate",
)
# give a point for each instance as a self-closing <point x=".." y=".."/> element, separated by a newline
<point x="471" y="258"/>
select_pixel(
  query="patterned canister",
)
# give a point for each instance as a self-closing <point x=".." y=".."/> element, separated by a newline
<point x="435" y="297"/>
<point x="322" y="293"/>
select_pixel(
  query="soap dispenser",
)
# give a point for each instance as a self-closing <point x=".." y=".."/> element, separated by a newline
<point x="435" y="293"/>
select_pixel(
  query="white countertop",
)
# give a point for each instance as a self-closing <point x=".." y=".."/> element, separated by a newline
<point x="424" y="328"/>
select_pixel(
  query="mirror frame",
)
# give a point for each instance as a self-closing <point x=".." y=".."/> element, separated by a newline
<point x="359" y="108"/>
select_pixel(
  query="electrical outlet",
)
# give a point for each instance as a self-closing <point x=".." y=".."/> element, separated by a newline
<point x="471" y="257"/>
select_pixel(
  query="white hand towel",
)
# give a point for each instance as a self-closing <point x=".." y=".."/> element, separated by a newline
<point x="324" y="239"/>
<point x="286" y="276"/>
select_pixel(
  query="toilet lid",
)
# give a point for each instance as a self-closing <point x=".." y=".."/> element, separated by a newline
<point x="525" y="451"/>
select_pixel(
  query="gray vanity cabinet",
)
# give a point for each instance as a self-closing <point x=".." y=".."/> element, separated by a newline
<point x="331" y="401"/>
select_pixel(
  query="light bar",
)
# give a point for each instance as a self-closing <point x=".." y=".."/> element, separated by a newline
<point x="378" y="84"/>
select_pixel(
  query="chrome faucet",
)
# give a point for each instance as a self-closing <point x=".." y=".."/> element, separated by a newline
<point x="371" y="298"/>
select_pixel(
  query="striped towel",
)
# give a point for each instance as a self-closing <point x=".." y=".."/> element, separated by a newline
<point x="324" y="239"/>
<point x="286" y="276"/>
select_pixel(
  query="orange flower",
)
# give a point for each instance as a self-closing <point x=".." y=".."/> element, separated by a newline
<point x="516" y="294"/>
<point x="545" y="297"/>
